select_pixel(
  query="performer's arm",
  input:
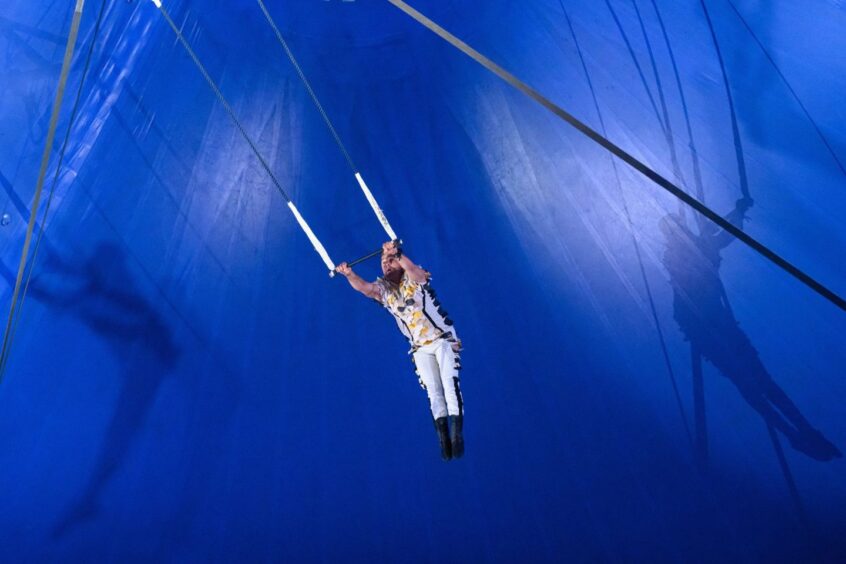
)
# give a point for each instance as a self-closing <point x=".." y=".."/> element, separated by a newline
<point x="413" y="271"/>
<point x="369" y="289"/>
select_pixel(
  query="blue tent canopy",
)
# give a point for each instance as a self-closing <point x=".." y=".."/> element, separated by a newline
<point x="186" y="383"/>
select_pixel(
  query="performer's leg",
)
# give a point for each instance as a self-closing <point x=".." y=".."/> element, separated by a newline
<point x="429" y="374"/>
<point x="449" y="363"/>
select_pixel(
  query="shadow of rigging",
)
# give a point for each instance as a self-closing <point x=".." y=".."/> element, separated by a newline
<point x="702" y="310"/>
<point x="762" y="67"/>
<point x="101" y="293"/>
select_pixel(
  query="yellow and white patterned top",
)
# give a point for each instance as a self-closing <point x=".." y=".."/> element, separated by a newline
<point x="417" y="311"/>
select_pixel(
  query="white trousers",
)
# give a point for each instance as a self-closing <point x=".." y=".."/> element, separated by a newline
<point x="437" y="368"/>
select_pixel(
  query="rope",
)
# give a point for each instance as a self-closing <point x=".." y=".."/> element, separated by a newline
<point x="662" y="182"/>
<point x="303" y="225"/>
<point x="735" y="129"/>
<point x="47" y="205"/>
<point x="45" y="159"/>
<point x="789" y="88"/>
<point x="222" y="100"/>
<point x="380" y="215"/>
<point x="308" y="86"/>
<point x="694" y="154"/>
<point x="741" y="164"/>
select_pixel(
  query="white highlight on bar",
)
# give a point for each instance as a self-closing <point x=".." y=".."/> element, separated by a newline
<point x="311" y="237"/>
<point x="158" y="3"/>
<point x="376" y="209"/>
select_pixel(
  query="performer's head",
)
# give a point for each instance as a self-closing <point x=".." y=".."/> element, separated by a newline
<point x="391" y="269"/>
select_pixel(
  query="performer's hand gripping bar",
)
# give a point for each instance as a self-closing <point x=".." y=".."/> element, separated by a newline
<point x="334" y="271"/>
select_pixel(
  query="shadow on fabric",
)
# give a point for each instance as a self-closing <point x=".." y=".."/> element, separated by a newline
<point x="101" y="293"/>
<point x="704" y="314"/>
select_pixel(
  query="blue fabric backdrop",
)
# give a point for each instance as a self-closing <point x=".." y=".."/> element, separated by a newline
<point x="187" y="384"/>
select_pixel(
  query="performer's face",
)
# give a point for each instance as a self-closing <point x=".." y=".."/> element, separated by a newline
<point x="391" y="269"/>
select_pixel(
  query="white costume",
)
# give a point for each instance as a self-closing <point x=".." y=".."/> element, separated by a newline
<point x="434" y="344"/>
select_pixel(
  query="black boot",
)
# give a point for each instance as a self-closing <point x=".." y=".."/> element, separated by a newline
<point x="443" y="436"/>
<point x="456" y="422"/>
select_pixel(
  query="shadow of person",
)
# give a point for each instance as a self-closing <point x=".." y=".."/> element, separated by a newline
<point x="101" y="293"/>
<point x="702" y="310"/>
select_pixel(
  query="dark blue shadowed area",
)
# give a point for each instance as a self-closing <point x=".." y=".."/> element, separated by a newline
<point x="187" y="384"/>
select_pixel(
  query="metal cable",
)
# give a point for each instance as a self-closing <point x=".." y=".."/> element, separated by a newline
<point x="45" y="159"/>
<point x="617" y="151"/>
<point x="790" y="88"/>
<point x="308" y="86"/>
<point x="315" y="242"/>
<point x="71" y="123"/>
<point x="222" y="100"/>
<point x="380" y="215"/>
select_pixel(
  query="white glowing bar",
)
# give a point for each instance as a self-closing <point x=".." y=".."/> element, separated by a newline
<point x="376" y="209"/>
<point x="311" y="237"/>
<point x="158" y="3"/>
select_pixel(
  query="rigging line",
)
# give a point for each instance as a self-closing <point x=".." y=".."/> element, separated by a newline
<point x="380" y="215"/>
<point x="650" y="298"/>
<point x="71" y="123"/>
<point x="779" y="452"/>
<point x="221" y="99"/>
<point x="671" y="140"/>
<point x="694" y="156"/>
<point x="789" y="87"/>
<point x="636" y="63"/>
<point x="308" y="86"/>
<point x="45" y="159"/>
<point x="300" y="220"/>
<point x="741" y="164"/>
<point x="735" y="130"/>
<point x="662" y="182"/>
<point x="795" y="496"/>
